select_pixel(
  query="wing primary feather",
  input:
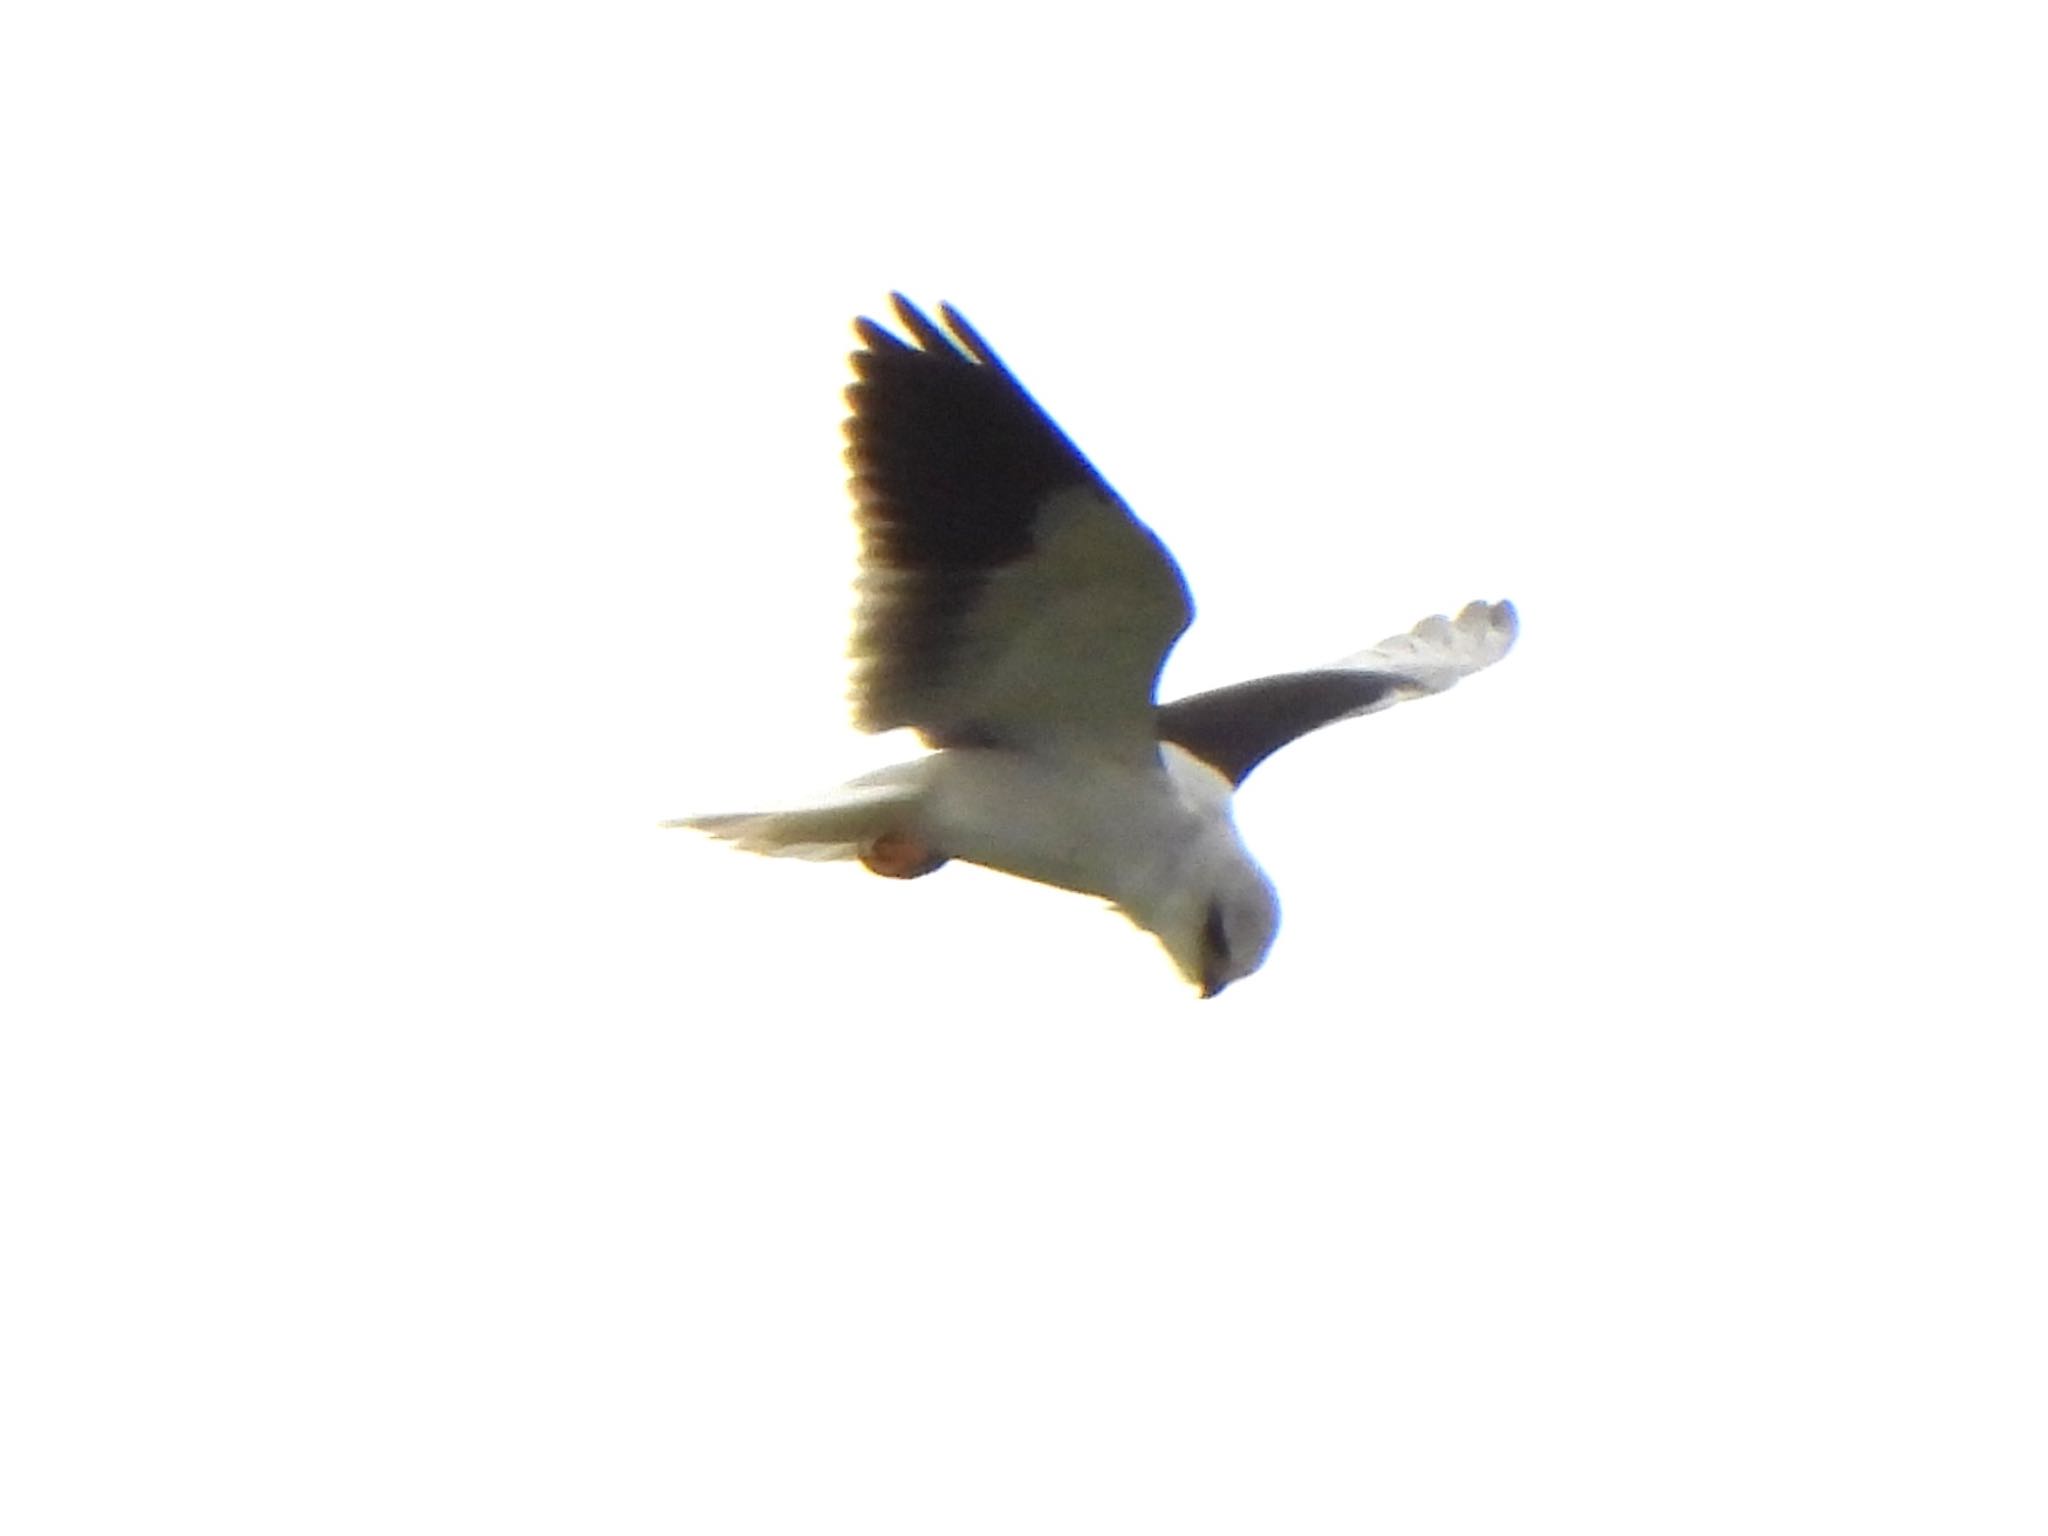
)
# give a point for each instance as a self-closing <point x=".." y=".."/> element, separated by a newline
<point x="970" y="338"/>
<point x="876" y="338"/>
<point x="1235" y="729"/>
<point x="927" y="335"/>
<point x="959" y="479"/>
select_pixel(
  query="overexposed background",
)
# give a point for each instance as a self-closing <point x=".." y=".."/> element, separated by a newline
<point x="421" y="474"/>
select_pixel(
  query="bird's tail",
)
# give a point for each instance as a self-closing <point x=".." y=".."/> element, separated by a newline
<point x="843" y="823"/>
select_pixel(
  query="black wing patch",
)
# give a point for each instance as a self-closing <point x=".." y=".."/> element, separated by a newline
<point x="952" y="462"/>
<point x="1235" y="729"/>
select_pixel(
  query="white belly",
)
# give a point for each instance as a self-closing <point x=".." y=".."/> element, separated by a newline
<point x="1106" y="830"/>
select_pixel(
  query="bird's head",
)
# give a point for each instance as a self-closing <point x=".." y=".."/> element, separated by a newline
<point x="1219" y="927"/>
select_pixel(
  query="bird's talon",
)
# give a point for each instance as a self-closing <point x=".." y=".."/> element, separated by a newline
<point x="900" y="856"/>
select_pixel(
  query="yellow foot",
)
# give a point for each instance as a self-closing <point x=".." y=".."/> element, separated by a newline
<point x="900" y="856"/>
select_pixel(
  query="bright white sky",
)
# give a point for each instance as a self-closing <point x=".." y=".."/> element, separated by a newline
<point x="423" y="476"/>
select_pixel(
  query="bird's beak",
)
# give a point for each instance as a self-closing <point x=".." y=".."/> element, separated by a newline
<point x="1211" y="985"/>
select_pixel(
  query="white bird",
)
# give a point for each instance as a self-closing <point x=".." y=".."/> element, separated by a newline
<point x="1016" y="615"/>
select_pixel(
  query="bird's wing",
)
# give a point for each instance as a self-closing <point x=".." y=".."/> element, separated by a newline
<point x="1007" y="596"/>
<point x="1235" y="729"/>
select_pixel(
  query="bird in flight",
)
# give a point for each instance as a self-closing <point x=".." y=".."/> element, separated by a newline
<point x="1014" y="613"/>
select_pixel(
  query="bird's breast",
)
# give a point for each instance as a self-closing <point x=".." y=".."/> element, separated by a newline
<point x="1107" y="829"/>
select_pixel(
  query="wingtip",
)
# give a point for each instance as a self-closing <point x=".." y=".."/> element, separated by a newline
<point x="970" y="338"/>
<point x="950" y="336"/>
<point x="1500" y="617"/>
<point x="874" y="337"/>
<point x="928" y="336"/>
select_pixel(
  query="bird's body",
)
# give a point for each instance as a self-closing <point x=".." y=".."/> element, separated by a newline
<point x="1016" y="614"/>
<point x="1097" y="828"/>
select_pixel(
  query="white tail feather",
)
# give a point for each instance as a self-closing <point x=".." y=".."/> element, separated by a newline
<point x="838" y="825"/>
